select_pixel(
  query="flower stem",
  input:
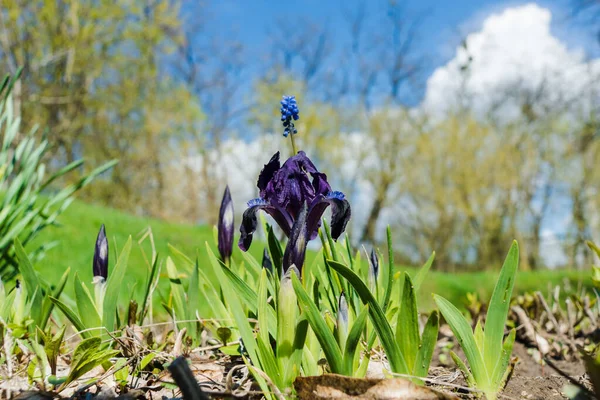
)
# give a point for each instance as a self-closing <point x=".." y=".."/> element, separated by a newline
<point x="293" y="142"/>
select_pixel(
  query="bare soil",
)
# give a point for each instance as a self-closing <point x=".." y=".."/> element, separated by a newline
<point x="529" y="380"/>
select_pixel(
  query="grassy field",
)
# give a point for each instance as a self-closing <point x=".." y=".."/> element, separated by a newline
<point x="81" y="221"/>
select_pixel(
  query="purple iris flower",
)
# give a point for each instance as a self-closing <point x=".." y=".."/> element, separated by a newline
<point x="284" y="189"/>
<point x="226" y="226"/>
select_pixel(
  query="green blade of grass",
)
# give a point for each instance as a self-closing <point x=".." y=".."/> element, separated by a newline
<point x="498" y="309"/>
<point x="380" y="323"/>
<point x="462" y="330"/>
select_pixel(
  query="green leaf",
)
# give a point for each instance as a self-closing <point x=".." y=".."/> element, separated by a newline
<point x="428" y="341"/>
<point x="178" y="295"/>
<point x="235" y="306"/>
<point x="146" y="360"/>
<point x="354" y="339"/>
<point x="499" y="375"/>
<point x="407" y="328"/>
<point x="30" y="276"/>
<point x="275" y="250"/>
<point x="498" y="309"/>
<point x="388" y="280"/>
<point x="462" y="330"/>
<point x="330" y="347"/>
<point x="463" y="368"/>
<point x="287" y="315"/>
<point x="268" y="362"/>
<point x="248" y="295"/>
<point x="292" y="370"/>
<point x="263" y="324"/>
<point x="420" y="277"/>
<point x="479" y="337"/>
<point x="147" y="294"/>
<point x="113" y="287"/>
<point x="71" y="316"/>
<point x="48" y="304"/>
<point x="88" y="355"/>
<point x="85" y="304"/>
<point x="380" y="323"/>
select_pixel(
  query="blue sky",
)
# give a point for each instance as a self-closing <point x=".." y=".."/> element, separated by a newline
<point x="445" y="23"/>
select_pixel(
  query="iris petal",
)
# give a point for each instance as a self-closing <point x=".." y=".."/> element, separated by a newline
<point x="340" y="213"/>
<point x="250" y="221"/>
<point x="267" y="173"/>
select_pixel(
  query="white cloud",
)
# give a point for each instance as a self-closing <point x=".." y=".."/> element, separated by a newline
<point x="513" y="47"/>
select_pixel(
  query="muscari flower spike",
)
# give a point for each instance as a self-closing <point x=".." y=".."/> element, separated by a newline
<point x="284" y="190"/>
<point x="226" y="226"/>
<point x="289" y="114"/>
<point x="100" y="266"/>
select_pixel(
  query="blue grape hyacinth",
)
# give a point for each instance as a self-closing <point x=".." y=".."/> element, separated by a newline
<point x="289" y="114"/>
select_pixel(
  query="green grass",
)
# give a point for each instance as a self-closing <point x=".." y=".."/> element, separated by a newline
<point x="81" y="221"/>
<point x="76" y="237"/>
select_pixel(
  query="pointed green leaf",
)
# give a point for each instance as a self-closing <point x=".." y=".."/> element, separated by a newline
<point x="504" y="361"/>
<point x="463" y="368"/>
<point x="71" y="316"/>
<point x="354" y="339"/>
<point x="498" y="309"/>
<point x="380" y="323"/>
<point x="330" y="347"/>
<point x="113" y="287"/>
<point x="48" y="304"/>
<point x="420" y="277"/>
<point x="428" y="341"/>
<point x="462" y="330"/>
<point x="85" y="304"/>
<point x="407" y="328"/>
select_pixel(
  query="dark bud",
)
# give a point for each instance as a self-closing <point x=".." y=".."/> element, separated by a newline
<point x="374" y="263"/>
<point x="225" y="226"/>
<point x="101" y="255"/>
<point x="295" y="250"/>
<point x="266" y="261"/>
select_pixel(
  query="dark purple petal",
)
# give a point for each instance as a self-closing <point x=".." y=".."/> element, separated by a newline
<point x="100" y="266"/>
<point x="340" y="213"/>
<point x="295" y="250"/>
<point x="225" y="226"/>
<point x="320" y="184"/>
<point x="250" y="221"/>
<point x="267" y="173"/>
